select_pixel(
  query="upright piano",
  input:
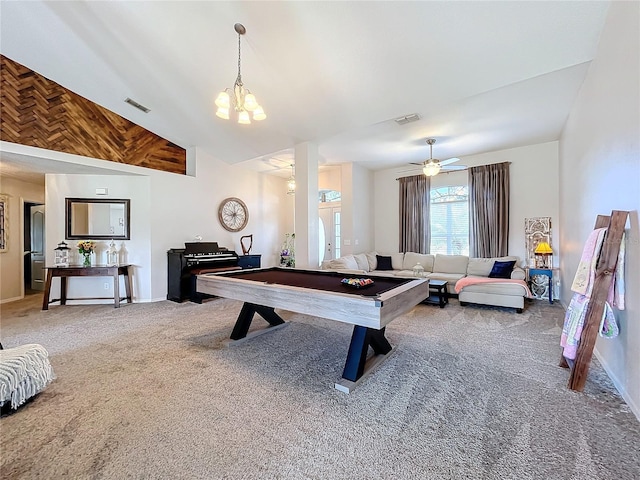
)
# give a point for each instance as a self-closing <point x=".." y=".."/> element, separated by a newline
<point x="196" y="258"/>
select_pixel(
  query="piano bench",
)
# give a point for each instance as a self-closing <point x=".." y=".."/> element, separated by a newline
<point x="197" y="297"/>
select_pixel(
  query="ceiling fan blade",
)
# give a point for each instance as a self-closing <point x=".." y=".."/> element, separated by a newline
<point x="449" y="160"/>
<point x="419" y="164"/>
<point x="451" y="168"/>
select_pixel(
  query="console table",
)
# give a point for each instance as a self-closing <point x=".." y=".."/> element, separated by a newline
<point x="95" y="271"/>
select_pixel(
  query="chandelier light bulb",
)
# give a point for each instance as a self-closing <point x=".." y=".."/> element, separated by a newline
<point x="223" y="100"/>
<point x="250" y="103"/>
<point x="223" y="113"/>
<point x="258" y="113"/>
<point x="243" y="117"/>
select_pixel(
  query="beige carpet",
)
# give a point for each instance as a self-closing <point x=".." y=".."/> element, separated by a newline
<point x="149" y="391"/>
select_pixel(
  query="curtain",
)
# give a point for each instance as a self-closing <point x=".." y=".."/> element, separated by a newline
<point x="415" y="231"/>
<point x="489" y="210"/>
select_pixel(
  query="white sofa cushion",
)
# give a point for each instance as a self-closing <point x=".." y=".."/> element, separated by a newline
<point x="481" y="267"/>
<point x="451" y="264"/>
<point x="373" y="261"/>
<point x="397" y="260"/>
<point x="348" y="262"/>
<point x="362" y="261"/>
<point x="411" y="259"/>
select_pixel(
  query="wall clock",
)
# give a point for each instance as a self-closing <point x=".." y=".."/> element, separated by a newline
<point x="233" y="214"/>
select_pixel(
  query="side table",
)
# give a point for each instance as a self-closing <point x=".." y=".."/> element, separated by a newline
<point x="440" y="296"/>
<point x="547" y="272"/>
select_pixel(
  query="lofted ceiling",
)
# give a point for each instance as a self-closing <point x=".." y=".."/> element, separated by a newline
<point x="482" y="76"/>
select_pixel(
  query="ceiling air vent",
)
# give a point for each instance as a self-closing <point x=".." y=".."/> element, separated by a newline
<point x="133" y="103"/>
<point x="412" y="117"/>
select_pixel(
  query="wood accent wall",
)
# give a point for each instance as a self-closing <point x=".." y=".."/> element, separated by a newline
<point x="40" y="113"/>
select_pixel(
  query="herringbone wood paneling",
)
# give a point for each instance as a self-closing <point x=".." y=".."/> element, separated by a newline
<point x="40" y="113"/>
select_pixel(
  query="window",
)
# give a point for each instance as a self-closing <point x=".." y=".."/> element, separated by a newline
<point x="450" y="220"/>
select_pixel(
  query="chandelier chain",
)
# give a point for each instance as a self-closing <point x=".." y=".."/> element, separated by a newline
<point x="239" y="56"/>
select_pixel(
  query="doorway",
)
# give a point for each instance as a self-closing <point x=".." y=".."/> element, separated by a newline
<point x="330" y="226"/>
<point x="34" y="248"/>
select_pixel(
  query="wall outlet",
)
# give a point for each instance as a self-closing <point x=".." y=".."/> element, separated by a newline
<point x="106" y="286"/>
<point x="347" y="242"/>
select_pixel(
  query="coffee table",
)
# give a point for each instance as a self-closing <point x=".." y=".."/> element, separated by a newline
<point x="437" y="293"/>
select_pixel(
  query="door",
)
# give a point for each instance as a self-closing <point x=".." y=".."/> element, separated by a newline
<point x="330" y="221"/>
<point x="37" y="248"/>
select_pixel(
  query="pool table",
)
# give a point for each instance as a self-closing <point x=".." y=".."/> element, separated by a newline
<point x="321" y="294"/>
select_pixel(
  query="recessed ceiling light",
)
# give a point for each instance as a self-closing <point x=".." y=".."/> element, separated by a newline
<point x="133" y="103"/>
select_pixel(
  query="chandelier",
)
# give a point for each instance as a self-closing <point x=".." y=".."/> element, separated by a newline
<point x="431" y="167"/>
<point x="243" y="100"/>
<point x="291" y="183"/>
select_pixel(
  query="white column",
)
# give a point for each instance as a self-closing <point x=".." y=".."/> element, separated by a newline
<point x="306" y="206"/>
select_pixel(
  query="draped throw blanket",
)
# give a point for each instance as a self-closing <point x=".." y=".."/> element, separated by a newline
<point x="24" y="372"/>
<point x="582" y="287"/>
<point x="489" y="210"/>
<point x="415" y="230"/>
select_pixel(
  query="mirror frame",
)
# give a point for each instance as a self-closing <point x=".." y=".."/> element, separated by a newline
<point x="68" y="212"/>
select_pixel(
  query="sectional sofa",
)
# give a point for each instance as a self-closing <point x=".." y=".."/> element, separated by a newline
<point x="508" y="291"/>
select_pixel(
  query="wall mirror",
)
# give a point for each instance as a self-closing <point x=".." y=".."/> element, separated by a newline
<point x="97" y="218"/>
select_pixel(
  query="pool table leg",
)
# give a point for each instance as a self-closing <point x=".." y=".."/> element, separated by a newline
<point x="362" y="338"/>
<point x="246" y="316"/>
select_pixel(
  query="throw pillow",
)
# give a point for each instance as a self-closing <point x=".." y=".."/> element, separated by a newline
<point x="361" y="260"/>
<point x="502" y="269"/>
<point x="384" y="263"/>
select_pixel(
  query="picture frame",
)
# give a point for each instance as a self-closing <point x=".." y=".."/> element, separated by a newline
<point x="4" y="222"/>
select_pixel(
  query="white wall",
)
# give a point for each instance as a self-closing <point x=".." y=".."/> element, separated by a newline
<point x="600" y="172"/>
<point x="11" y="261"/>
<point x="534" y="193"/>
<point x="134" y="251"/>
<point x="329" y="179"/>
<point x="356" y="209"/>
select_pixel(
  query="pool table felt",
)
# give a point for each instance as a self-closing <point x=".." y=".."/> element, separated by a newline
<point x="330" y="282"/>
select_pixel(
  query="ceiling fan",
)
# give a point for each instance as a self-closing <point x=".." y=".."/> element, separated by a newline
<point x="433" y="166"/>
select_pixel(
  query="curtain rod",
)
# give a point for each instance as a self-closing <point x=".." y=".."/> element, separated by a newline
<point x="453" y="171"/>
<point x="439" y="173"/>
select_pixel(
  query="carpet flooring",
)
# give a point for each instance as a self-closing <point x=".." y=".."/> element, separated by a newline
<point x="149" y="391"/>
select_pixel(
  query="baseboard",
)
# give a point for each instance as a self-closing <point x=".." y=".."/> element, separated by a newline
<point x="150" y="300"/>
<point x="616" y="383"/>
<point x="13" y="299"/>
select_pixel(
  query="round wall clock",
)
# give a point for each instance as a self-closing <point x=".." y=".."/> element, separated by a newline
<point x="233" y="214"/>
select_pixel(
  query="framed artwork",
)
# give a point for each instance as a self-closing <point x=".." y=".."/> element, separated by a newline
<point x="4" y="222"/>
<point x="536" y="230"/>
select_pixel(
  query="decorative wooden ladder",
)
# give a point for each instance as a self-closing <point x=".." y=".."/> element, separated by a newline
<point x="605" y="270"/>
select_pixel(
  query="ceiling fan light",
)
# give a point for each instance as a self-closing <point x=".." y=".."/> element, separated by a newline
<point x="223" y="101"/>
<point x="243" y="118"/>
<point x="431" y="168"/>
<point x="258" y="113"/>
<point x="223" y="113"/>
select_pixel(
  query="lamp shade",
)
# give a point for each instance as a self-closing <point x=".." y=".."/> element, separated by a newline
<point x="543" y="248"/>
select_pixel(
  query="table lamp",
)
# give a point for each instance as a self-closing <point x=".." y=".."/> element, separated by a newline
<point x="543" y="255"/>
